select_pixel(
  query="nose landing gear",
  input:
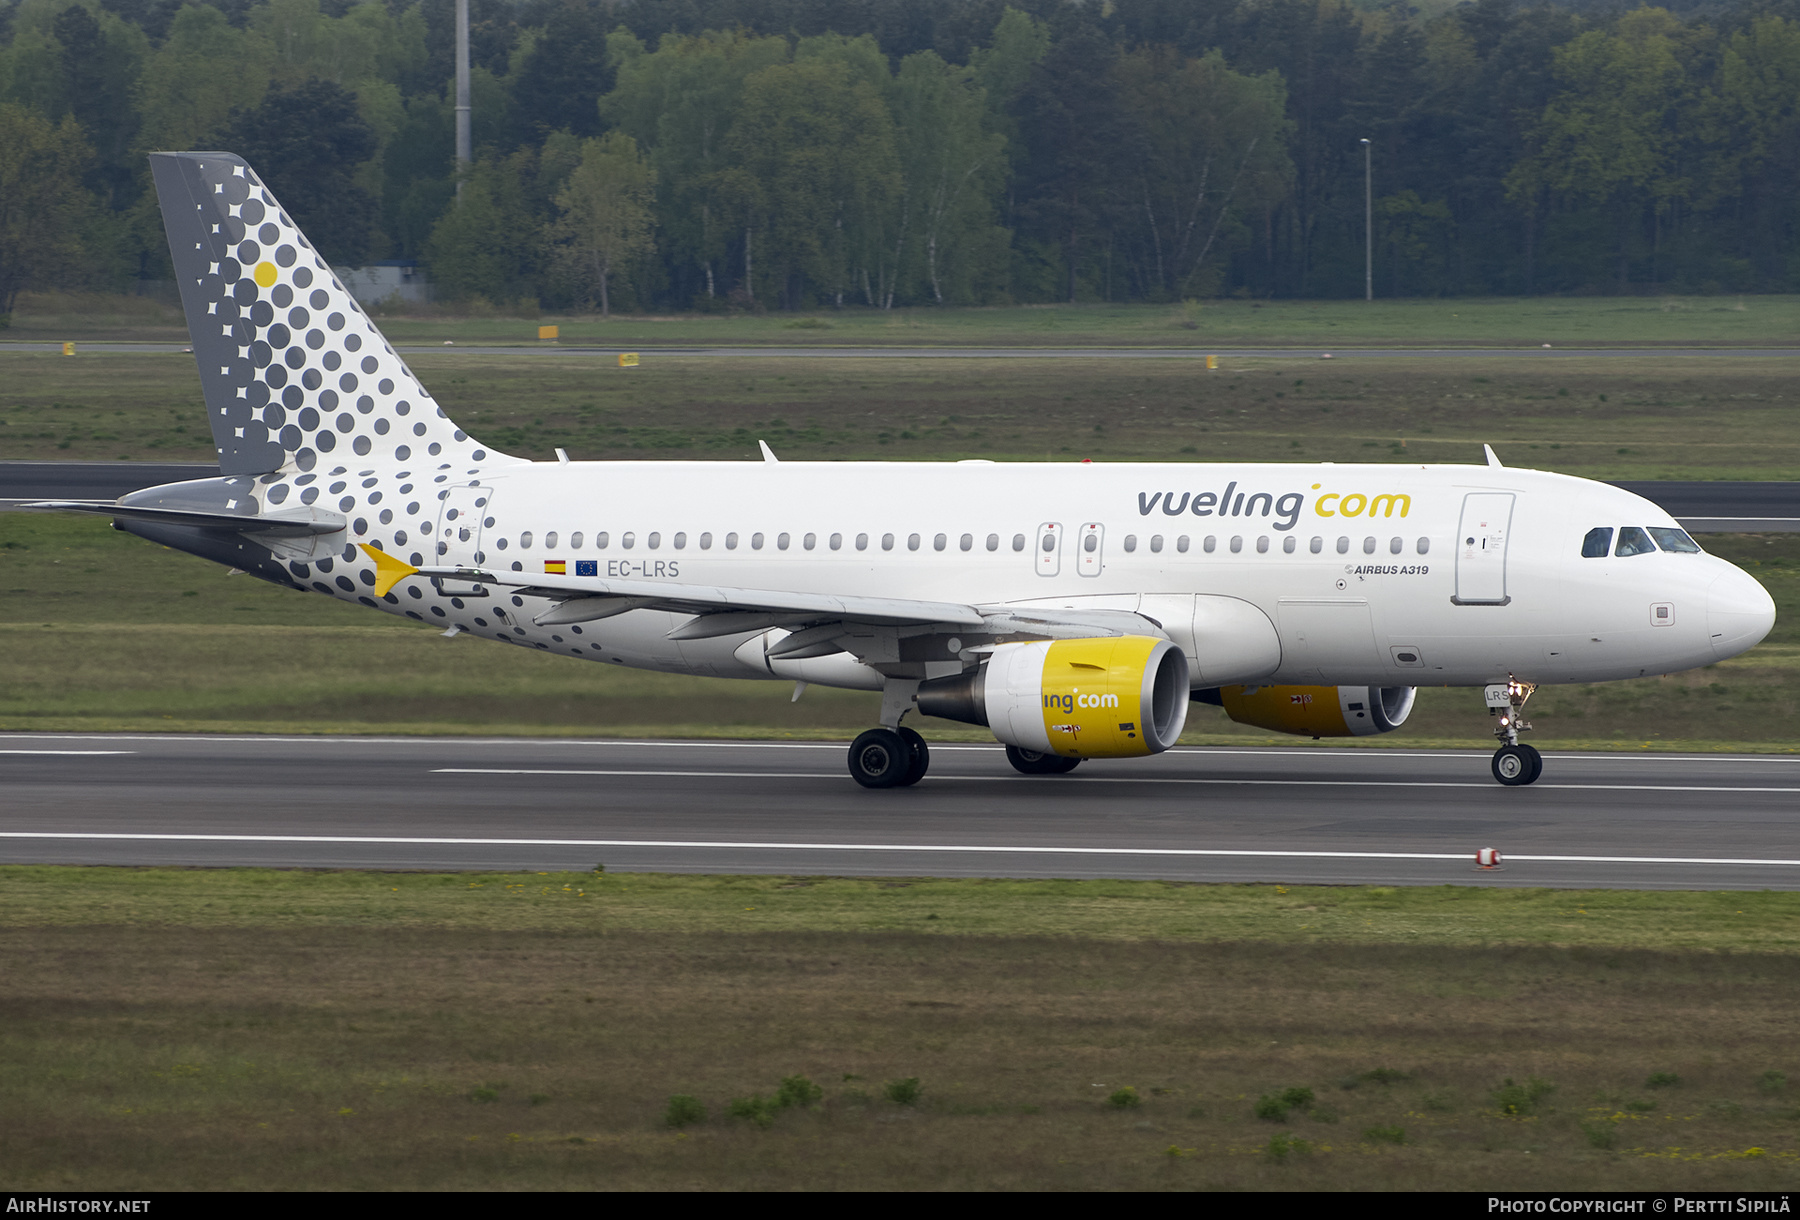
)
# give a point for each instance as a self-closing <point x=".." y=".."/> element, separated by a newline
<point x="1514" y="765"/>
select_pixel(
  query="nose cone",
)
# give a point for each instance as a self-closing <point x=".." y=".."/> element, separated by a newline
<point x="1739" y="612"/>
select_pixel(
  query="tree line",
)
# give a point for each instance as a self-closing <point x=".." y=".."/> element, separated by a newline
<point x="727" y="154"/>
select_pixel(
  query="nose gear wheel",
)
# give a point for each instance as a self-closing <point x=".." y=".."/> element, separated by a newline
<point x="1516" y="766"/>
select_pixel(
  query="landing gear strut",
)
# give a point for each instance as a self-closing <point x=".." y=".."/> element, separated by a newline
<point x="1514" y="765"/>
<point x="891" y="757"/>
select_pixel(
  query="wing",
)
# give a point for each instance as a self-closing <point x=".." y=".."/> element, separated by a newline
<point x="818" y="620"/>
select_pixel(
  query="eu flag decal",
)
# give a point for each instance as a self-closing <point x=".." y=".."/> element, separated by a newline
<point x="587" y="567"/>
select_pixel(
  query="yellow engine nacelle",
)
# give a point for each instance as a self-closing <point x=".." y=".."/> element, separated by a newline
<point x="1317" y="711"/>
<point x="1111" y="697"/>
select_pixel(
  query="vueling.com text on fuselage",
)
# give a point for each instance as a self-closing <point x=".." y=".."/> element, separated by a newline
<point x="1285" y="509"/>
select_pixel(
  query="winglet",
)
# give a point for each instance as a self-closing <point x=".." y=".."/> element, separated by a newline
<point x="1493" y="458"/>
<point x="768" y="453"/>
<point x="388" y="570"/>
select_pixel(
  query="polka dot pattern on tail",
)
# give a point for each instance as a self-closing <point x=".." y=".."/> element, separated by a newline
<point x="255" y="292"/>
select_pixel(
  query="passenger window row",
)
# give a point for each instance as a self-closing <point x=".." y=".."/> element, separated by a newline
<point x="967" y="542"/>
<point x="783" y="541"/>
<point x="1634" y="540"/>
<point x="1289" y="544"/>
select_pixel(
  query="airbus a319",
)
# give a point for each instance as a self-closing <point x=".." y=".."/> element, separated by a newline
<point x="1075" y="610"/>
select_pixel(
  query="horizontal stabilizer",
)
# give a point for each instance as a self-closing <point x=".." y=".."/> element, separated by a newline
<point x="294" y="524"/>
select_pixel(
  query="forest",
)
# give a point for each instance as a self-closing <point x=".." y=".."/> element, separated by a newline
<point x="730" y="155"/>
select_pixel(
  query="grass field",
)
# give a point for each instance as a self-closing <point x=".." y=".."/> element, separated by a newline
<point x="1654" y="417"/>
<point x="1484" y="321"/>
<point x="168" y="1029"/>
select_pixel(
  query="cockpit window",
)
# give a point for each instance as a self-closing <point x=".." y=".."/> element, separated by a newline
<point x="1597" y="543"/>
<point x="1634" y="541"/>
<point x="1674" y="540"/>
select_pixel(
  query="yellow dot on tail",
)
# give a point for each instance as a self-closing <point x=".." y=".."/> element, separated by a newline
<point x="265" y="274"/>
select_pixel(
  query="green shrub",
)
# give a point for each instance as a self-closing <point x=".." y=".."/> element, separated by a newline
<point x="903" y="1092"/>
<point x="1522" y="1098"/>
<point x="1281" y="1144"/>
<point x="1297" y="1098"/>
<point x="684" y="1110"/>
<point x="1271" y="1109"/>
<point x="485" y="1093"/>
<point x="798" y="1091"/>
<point x="1600" y="1133"/>
<point x="754" y="1109"/>
<point x="1125" y="1099"/>
<point x="1662" y="1080"/>
<point x="1771" y="1082"/>
<point x="1386" y="1135"/>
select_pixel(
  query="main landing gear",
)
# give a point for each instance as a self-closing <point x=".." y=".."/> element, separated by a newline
<point x="1514" y="765"/>
<point x="889" y="758"/>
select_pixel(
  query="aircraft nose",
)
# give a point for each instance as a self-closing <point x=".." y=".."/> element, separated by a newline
<point x="1739" y="612"/>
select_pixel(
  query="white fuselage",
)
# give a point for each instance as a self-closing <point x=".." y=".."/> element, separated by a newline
<point x="1382" y="574"/>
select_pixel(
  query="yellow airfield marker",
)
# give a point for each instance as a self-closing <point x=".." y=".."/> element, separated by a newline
<point x="548" y="332"/>
<point x="628" y="360"/>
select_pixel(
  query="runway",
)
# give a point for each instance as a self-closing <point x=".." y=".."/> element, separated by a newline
<point x="1335" y="816"/>
<point x="1701" y="507"/>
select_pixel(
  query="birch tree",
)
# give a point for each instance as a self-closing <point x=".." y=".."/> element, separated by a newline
<point x="1209" y="146"/>
<point x="606" y="213"/>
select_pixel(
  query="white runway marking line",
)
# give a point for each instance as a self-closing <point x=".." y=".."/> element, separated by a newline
<point x="1128" y="779"/>
<point x="83" y="752"/>
<point x="974" y="849"/>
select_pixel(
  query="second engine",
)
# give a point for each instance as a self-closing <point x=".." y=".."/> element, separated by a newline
<point x="1316" y="711"/>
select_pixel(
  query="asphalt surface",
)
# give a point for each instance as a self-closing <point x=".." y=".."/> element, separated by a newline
<point x="1701" y="507"/>
<point x="1410" y="817"/>
<point x="1545" y="352"/>
<point x="92" y="480"/>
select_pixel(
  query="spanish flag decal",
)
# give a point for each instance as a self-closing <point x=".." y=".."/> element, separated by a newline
<point x="556" y="567"/>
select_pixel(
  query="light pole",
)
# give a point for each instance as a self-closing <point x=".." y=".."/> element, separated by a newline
<point x="464" y="151"/>
<point x="1368" y="229"/>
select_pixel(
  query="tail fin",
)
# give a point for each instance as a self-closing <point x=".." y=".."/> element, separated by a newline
<point x="293" y="371"/>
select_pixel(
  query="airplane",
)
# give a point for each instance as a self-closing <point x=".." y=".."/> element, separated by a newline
<point x="1076" y="609"/>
